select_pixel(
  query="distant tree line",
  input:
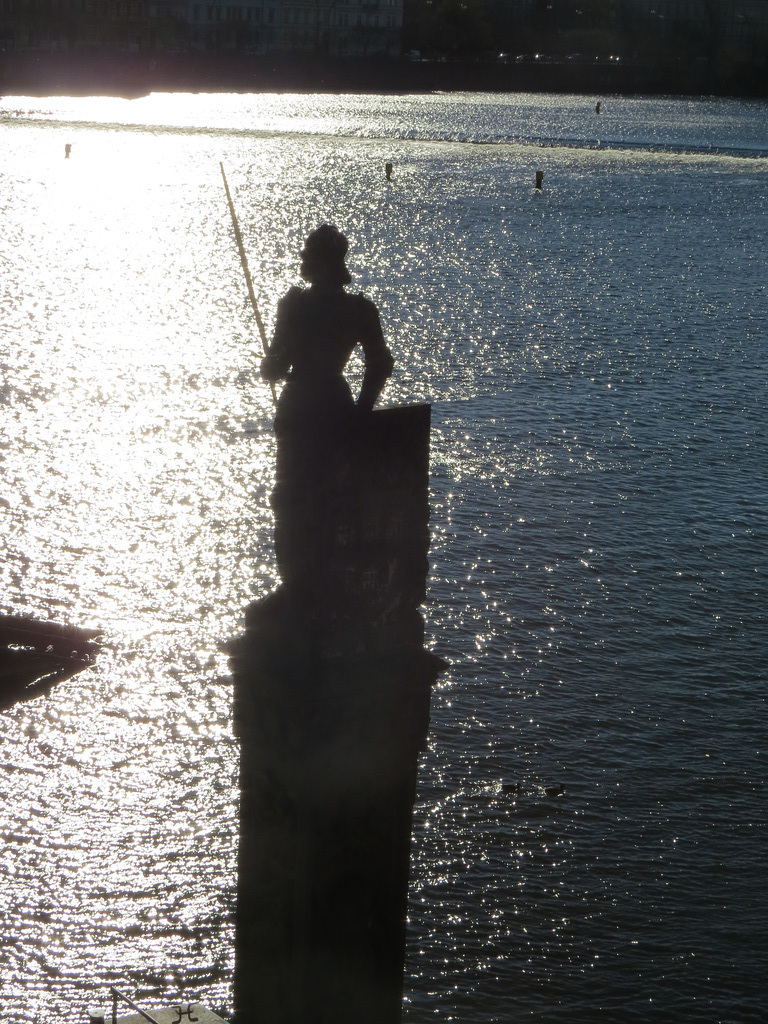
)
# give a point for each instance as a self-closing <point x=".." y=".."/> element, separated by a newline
<point x="722" y="33"/>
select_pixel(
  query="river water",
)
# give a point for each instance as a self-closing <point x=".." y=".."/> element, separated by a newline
<point x="595" y="356"/>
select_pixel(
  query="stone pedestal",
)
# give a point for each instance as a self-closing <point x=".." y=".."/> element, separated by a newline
<point x="332" y="690"/>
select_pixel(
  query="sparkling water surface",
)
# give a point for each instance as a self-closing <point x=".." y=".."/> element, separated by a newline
<point x="595" y="357"/>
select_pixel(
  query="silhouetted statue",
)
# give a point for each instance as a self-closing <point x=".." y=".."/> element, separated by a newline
<point x="316" y="332"/>
<point x="331" y="680"/>
<point x="318" y="424"/>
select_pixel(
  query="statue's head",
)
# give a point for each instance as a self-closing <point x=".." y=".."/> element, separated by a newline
<point x="322" y="258"/>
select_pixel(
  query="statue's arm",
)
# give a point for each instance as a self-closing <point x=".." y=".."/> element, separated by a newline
<point x="378" y="358"/>
<point x="277" y="362"/>
<point x="274" y="367"/>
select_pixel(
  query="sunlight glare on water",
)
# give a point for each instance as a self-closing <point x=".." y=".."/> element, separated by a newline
<point x="594" y="356"/>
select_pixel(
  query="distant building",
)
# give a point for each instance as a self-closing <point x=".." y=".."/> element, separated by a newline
<point x="342" y="27"/>
<point x="250" y="25"/>
<point x="332" y="27"/>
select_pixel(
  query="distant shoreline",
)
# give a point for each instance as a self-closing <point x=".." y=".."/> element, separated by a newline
<point x="98" y="72"/>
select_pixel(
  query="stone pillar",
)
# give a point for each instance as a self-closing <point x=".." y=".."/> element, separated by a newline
<point x="332" y="709"/>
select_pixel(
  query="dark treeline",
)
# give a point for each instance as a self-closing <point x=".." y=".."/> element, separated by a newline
<point x="714" y="45"/>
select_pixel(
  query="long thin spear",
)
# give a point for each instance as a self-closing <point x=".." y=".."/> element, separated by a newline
<point x="246" y="271"/>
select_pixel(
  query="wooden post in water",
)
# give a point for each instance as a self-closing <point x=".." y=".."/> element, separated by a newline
<point x="332" y="690"/>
